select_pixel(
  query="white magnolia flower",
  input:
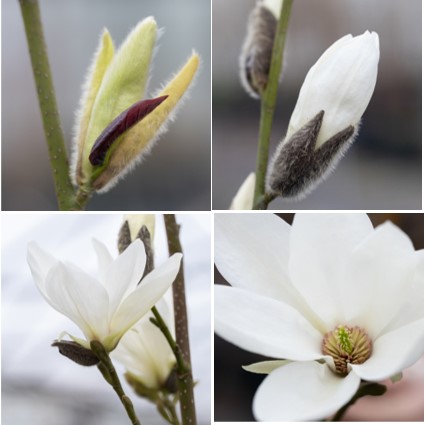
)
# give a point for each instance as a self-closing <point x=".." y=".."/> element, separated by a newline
<point x="145" y="352"/>
<point x="340" y="300"/>
<point x="106" y="307"/>
<point x="243" y="200"/>
<point x="324" y="123"/>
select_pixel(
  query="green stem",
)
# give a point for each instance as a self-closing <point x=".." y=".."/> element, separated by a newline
<point x="110" y="375"/>
<point x="81" y="199"/>
<point x="268" y="101"/>
<point x="167" y="409"/>
<point x="48" y="107"/>
<point x="171" y="409"/>
<point x="161" y="324"/>
<point x="185" y="383"/>
<point x="264" y="201"/>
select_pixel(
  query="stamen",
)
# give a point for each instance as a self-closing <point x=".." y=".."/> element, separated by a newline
<point x="346" y="345"/>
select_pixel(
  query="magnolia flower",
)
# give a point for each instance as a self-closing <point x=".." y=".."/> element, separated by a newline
<point x="331" y="299"/>
<point x="332" y="100"/>
<point x="106" y="307"/>
<point x="115" y="127"/>
<point x="243" y="200"/>
<point x="256" y="54"/>
<point x="145" y="352"/>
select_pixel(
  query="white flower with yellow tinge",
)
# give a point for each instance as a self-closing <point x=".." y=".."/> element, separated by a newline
<point x="116" y="123"/>
<point x="107" y="306"/>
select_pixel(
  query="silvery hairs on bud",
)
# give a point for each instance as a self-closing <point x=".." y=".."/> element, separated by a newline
<point x="124" y="240"/>
<point x="297" y="167"/>
<point x="255" y="59"/>
<point x="77" y="353"/>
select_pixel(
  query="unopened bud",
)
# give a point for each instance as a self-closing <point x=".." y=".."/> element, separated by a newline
<point x="332" y="100"/>
<point x="139" y="226"/>
<point x="255" y="59"/>
<point x="77" y="353"/>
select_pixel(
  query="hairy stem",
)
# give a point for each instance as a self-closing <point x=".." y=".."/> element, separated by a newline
<point x="48" y="107"/>
<point x="109" y="373"/>
<point x="268" y="101"/>
<point x="185" y="383"/>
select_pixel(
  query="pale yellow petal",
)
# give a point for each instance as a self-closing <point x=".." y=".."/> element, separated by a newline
<point x="101" y="61"/>
<point x="123" y="84"/>
<point x="126" y="151"/>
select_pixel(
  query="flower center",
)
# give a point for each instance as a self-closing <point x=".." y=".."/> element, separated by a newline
<point x="347" y="345"/>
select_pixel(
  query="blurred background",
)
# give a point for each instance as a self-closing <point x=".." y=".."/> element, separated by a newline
<point x="41" y="387"/>
<point x="234" y="388"/>
<point x="382" y="170"/>
<point x="176" y="175"/>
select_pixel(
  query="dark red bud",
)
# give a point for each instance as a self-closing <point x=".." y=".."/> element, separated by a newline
<point x="119" y="125"/>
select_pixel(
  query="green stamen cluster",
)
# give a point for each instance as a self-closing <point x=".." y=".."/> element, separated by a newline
<point x="343" y="335"/>
<point x="346" y="345"/>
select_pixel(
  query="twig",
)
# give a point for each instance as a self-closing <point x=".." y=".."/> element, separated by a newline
<point x="268" y="101"/>
<point x="48" y="107"/>
<point x="109" y="373"/>
<point x="185" y="382"/>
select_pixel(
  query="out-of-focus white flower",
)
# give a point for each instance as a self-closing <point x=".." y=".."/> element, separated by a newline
<point x="145" y="352"/>
<point x="340" y="300"/>
<point x="243" y="200"/>
<point x="106" y="307"/>
<point x="332" y="100"/>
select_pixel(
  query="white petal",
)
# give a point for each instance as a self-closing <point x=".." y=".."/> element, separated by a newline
<point x="251" y="251"/>
<point x="145" y="353"/>
<point x="302" y="391"/>
<point x="265" y="326"/>
<point x="412" y="298"/>
<point x="319" y="247"/>
<point x="378" y="276"/>
<point x="243" y="200"/>
<point x="40" y="262"/>
<point x="141" y="300"/>
<point x="393" y="352"/>
<point x="265" y="367"/>
<point x="81" y="298"/>
<point x="104" y="257"/>
<point x="123" y="275"/>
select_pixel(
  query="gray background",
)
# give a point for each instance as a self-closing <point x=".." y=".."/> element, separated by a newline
<point x="176" y="176"/>
<point x="382" y="170"/>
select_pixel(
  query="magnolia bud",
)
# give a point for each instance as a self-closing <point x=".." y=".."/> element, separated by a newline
<point x="334" y="96"/>
<point x="76" y="352"/>
<point x="117" y="124"/>
<point x="255" y="59"/>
